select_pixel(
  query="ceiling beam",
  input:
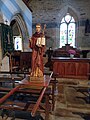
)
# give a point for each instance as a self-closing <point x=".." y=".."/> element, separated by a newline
<point x="26" y="2"/>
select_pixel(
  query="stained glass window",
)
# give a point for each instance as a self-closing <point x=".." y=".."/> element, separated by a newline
<point x="67" y="31"/>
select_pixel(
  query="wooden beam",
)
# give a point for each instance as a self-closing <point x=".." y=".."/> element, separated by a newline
<point x="38" y="102"/>
<point x="26" y="2"/>
<point x="9" y="94"/>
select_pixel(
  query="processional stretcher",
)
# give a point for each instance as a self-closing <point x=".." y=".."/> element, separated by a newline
<point x="38" y="85"/>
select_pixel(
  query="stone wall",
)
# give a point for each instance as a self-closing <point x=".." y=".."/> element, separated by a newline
<point x="51" y="12"/>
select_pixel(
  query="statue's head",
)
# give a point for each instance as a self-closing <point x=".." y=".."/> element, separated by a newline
<point x="38" y="27"/>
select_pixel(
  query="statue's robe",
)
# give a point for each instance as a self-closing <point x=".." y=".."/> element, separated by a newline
<point x="37" y="67"/>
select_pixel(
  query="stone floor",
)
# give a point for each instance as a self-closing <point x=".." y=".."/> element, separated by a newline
<point x="72" y="101"/>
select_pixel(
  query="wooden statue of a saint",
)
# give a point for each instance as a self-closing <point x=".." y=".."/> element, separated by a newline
<point x="37" y="44"/>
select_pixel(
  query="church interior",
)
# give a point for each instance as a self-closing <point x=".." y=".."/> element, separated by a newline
<point x="63" y="91"/>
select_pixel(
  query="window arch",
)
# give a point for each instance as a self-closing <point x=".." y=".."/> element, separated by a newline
<point x="19" y="29"/>
<point x="67" y="31"/>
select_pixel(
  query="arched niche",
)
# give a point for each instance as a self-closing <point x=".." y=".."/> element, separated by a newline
<point x="19" y="28"/>
<point x="74" y="13"/>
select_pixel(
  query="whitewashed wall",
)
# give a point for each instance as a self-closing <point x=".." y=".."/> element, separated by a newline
<point x="9" y="8"/>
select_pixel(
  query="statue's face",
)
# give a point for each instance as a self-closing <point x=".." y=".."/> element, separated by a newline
<point x="38" y="28"/>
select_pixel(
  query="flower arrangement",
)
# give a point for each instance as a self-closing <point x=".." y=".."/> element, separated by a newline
<point x="73" y="52"/>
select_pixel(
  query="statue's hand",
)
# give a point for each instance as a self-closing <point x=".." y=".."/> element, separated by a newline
<point x="39" y="45"/>
<point x="30" y="39"/>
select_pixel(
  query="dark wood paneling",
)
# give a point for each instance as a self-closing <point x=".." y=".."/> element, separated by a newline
<point x="71" y="68"/>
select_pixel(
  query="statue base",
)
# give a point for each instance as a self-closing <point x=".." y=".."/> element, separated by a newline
<point x="36" y="79"/>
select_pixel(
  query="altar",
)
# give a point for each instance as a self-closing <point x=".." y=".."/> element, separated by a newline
<point x="77" y="68"/>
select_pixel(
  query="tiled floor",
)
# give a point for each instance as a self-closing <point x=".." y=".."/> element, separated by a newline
<point x="70" y="101"/>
